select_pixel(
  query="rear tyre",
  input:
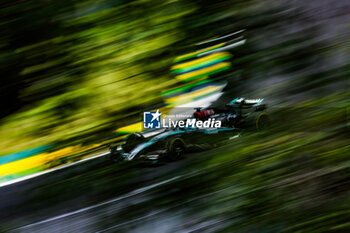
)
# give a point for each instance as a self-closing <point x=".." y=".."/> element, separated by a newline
<point x="262" y="122"/>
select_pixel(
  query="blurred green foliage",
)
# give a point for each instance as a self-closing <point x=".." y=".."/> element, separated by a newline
<point x="78" y="67"/>
<point x="74" y="71"/>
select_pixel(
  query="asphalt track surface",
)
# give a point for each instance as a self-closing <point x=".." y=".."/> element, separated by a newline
<point x="87" y="213"/>
<point x="104" y="215"/>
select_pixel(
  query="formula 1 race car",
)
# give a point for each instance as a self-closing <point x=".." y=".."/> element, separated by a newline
<point x="240" y="113"/>
<point x="153" y="146"/>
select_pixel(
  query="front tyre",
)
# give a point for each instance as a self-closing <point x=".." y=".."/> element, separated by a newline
<point x="176" y="149"/>
<point x="115" y="156"/>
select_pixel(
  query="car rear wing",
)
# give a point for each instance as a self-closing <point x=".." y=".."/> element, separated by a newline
<point x="241" y="102"/>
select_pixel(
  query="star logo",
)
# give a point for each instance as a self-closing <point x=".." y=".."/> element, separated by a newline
<point x="155" y="115"/>
<point x="151" y="120"/>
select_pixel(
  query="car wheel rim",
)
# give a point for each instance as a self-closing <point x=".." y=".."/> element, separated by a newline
<point x="178" y="151"/>
<point x="263" y="123"/>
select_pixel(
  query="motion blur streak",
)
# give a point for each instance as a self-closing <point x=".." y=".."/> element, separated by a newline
<point x="133" y="193"/>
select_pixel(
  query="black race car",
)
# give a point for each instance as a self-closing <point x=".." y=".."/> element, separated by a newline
<point x="153" y="146"/>
<point x="240" y="113"/>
